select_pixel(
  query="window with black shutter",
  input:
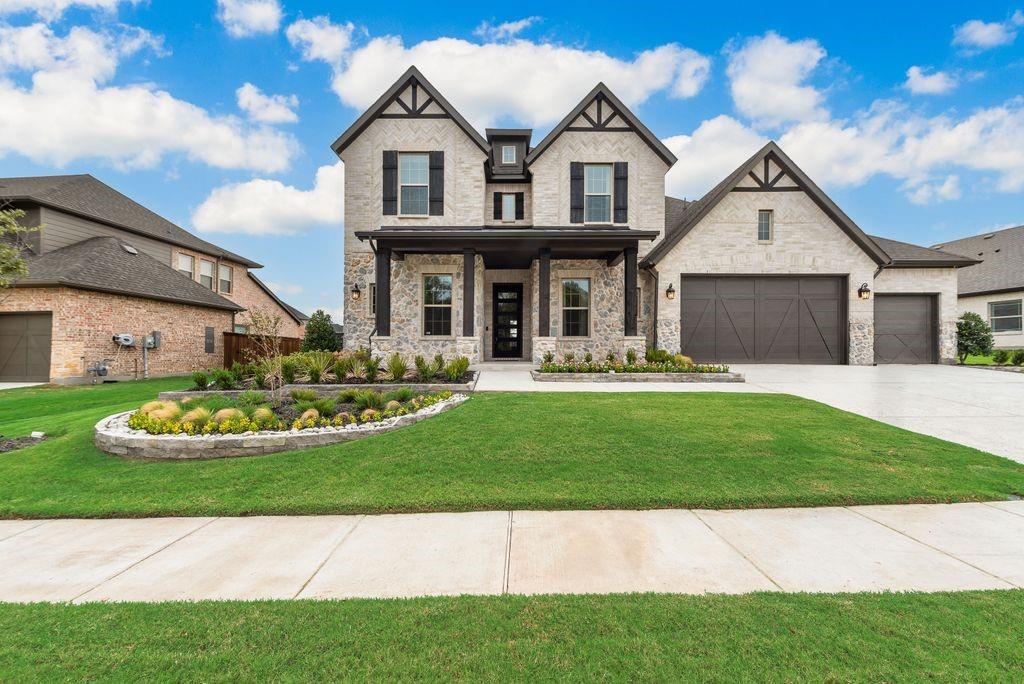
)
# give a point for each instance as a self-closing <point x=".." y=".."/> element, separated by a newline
<point x="520" y="206"/>
<point x="621" y="193"/>
<point x="437" y="183"/>
<point x="390" y="166"/>
<point x="209" y="341"/>
<point x="576" y="192"/>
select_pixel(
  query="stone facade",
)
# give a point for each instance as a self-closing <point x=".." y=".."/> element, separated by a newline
<point x="84" y="323"/>
<point x="941" y="282"/>
<point x="979" y="305"/>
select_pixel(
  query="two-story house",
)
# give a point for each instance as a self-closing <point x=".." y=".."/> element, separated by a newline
<point x="495" y="248"/>
<point x="101" y="264"/>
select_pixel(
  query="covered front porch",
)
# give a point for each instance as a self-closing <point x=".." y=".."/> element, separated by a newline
<point x="492" y="293"/>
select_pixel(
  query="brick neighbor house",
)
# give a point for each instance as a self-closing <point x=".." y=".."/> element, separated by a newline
<point x="101" y="265"/>
<point x="495" y="247"/>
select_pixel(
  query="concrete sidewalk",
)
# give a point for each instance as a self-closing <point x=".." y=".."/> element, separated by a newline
<point x="863" y="548"/>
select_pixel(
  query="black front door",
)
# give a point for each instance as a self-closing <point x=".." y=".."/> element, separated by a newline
<point x="508" y="320"/>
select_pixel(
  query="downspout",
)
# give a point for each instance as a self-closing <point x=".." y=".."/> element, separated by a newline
<point x="369" y="338"/>
<point x="654" y="317"/>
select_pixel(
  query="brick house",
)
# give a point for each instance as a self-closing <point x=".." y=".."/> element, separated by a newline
<point x="493" y="247"/>
<point x="102" y="264"/>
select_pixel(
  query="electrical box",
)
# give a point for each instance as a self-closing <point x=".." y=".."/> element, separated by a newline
<point x="153" y="340"/>
<point x="124" y="339"/>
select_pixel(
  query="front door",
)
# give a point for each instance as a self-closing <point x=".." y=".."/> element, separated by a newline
<point x="508" y="320"/>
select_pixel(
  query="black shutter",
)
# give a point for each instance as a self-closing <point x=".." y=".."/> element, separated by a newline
<point x="575" y="192"/>
<point x="390" y="166"/>
<point x="621" y="192"/>
<point x="437" y="183"/>
<point x="497" y="206"/>
<point x="209" y="344"/>
<point x="520" y="206"/>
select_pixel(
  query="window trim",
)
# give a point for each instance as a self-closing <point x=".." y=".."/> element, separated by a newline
<point x="212" y="276"/>
<point x="221" y="280"/>
<point x="611" y="193"/>
<point x="771" y="226"/>
<point x="562" y="308"/>
<point x="1019" y="317"/>
<point x="401" y="213"/>
<point x="192" y="273"/>
<point x="503" y="161"/>
<point x="424" y="305"/>
<point x="511" y="216"/>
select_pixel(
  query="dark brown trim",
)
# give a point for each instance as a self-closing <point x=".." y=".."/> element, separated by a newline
<point x="383" y="286"/>
<point x="630" y="302"/>
<point x="784" y="188"/>
<point x="982" y="293"/>
<point x="930" y="263"/>
<point x="468" y="291"/>
<point x="413" y="115"/>
<point x="544" y="293"/>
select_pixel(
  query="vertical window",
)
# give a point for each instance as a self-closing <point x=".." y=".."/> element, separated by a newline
<point x="508" y="207"/>
<point x="437" y="304"/>
<point x="508" y="154"/>
<point x="206" y="273"/>
<point x="1005" y="316"/>
<point x="373" y="299"/>
<point x="187" y="265"/>
<point x="241" y="329"/>
<point x="576" y="307"/>
<point x="414" y="184"/>
<point x="597" y="193"/>
<point x="764" y="225"/>
<point x="225" y="279"/>
<point x="209" y="342"/>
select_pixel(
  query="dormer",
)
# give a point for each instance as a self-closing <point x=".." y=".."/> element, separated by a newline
<point x="509" y="147"/>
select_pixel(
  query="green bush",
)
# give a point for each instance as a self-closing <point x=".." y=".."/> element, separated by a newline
<point x="223" y="378"/>
<point x="402" y="394"/>
<point x="316" y="364"/>
<point x="371" y="368"/>
<point x="298" y="395"/>
<point x="426" y="371"/>
<point x="610" y="357"/>
<point x="397" y="367"/>
<point x="456" y="368"/>
<point x="569" y="357"/>
<point x="289" y="369"/>
<point x="657" y="356"/>
<point x="588" y="358"/>
<point x="368" y="399"/>
<point x="630" y="356"/>
<point x="251" y="398"/>
<point x="347" y="396"/>
<point x="1017" y="358"/>
<point x="239" y="371"/>
<point x="324" y="406"/>
<point x="549" y="357"/>
<point x="1001" y="356"/>
<point x="200" y="380"/>
<point x="260" y="374"/>
<point x="343" y="368"/>
<point x="320" y="333"/>
<point x="973" y="336"/>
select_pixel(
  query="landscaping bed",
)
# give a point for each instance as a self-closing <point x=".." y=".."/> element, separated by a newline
<point x="657" y="366"/>
<point x="632" y="376"/>
<point x="331" y="389"/>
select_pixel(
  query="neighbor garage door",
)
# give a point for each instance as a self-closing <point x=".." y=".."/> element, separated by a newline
<point x="25" y="347"/>
<point x="764" y="319"/>
<point x="905" y="329"/>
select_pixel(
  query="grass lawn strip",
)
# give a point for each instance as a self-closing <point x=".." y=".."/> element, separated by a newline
<point x="971" y="636"/>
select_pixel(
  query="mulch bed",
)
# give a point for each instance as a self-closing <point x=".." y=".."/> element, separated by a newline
<point x="17" y="443"/>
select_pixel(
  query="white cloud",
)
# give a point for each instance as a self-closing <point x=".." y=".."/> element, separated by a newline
<point x="285" y="288"/>
<point x="767" y="77"/>
<point x="269" y="207"/>
<point x="936" y="83"/>
<point x="266" y="108"/>
<point x="68" y="112"/>
<point x="53" y="9"/>
<point x="714" y="150"/>
<point x="505" y="30"/>
<point x="977" y="35"/>
<point x="549" y="79"/>
<point x="244" y="18"/>
<point x="927" y="193"/>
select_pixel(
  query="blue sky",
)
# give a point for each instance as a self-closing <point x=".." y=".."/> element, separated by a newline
<point x="218" y="114"/>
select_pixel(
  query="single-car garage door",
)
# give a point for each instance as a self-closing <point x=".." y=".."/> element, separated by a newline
<point x="764" y="319"/>
<point x="905" y="329"/>
<point x="25" y="347"/>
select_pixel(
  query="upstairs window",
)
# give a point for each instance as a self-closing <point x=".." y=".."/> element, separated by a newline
<point x="576" y="307"/>
<point x="206" y="273"/>
<point x="765" y="221"/>
<point x="508" y="207"/>
<point x="226" y="276"/>
<point x="437" y="304"/>
<point x="597" y="193"/>
<point x="187" y="266"/>
<point x="1005" y="316"/>
<point x="508" y="154"/>
<point x="414" y="184"/>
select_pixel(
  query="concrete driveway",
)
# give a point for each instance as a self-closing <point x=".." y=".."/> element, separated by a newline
<point x="980" y="408"/>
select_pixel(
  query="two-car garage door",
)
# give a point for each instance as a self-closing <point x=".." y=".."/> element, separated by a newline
<point x="25" y="347"/>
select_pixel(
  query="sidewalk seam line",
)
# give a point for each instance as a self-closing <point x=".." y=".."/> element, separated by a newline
<point x="984" y="503"/>
<point x="508" y="555"/>
<point x="143" y="559"/>
<point x="934" y="548"/>
<point x="39" y="524"/>
<point x="328" y="557"/>
<point x="735" y="548"/>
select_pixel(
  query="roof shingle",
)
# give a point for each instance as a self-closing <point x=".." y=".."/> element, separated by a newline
<point x="1002" y="261"/>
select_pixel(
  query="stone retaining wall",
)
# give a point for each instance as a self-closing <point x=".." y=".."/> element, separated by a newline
<point x="114" y="436"/>
<point x="637" y="377"/>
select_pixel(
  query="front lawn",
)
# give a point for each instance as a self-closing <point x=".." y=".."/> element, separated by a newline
<point x="504" y="451"/>
<point x="971" y="636"/>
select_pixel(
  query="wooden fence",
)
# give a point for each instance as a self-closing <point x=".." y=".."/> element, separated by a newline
<point x="239" y="347"/>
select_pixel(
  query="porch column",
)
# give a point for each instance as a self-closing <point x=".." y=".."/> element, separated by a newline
<point x="468" y="290"/>
<point x="383" y="304"/>
<point x="544" y="293"/>
<point x="629" y="259"/>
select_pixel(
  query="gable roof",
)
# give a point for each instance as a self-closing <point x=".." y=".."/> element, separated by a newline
<point x="1001" y="261"/>
<point x="699" y="209"/>
<point x="907" y="255"/>
<point x="411" y="77"/>
<point x="601" y="93"/>
<point x="103" y="264"/>
<point x="87" y="197"/>
<point x="297" y="315"/>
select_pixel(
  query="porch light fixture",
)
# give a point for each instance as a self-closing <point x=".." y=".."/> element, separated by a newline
<point x="671" y="291"/>
<point x="356" y="293"/>
<point x="864" y="292"/>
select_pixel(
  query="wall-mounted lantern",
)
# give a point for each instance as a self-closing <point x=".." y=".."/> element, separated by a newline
<point x="864" y="292"/>
<point x="671" y="291"/>
<point x="356" y="293"/>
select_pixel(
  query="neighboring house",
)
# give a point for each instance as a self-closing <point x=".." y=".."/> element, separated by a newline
<point x="994" y="288"/>
<point x="491" y="247"/>
<point x="101" y="265"/>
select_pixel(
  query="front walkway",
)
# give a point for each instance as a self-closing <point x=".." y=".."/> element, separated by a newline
<point x="863" y="548"/>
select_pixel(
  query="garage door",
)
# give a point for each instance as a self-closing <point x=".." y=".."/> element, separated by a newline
<point x="764" y="319"/>
<point x="905" y="329"/>
<point x="25" y="347"/>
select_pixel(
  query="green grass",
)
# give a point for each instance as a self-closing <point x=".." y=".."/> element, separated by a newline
<point x="973" y="636"/>
<point x="504" y="451"/>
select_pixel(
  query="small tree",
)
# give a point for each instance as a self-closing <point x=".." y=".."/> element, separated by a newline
<point x="12" y="247"/>
<point x="973" y="336"/>
<point x="320" y="333"/>
<point x="265" y="335"/>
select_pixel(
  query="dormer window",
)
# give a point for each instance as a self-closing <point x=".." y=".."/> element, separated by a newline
<point x="508" y="154"/>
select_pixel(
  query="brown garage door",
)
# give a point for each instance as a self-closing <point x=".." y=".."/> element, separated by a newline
<point x="25" y="347"/>
<point x="905" y="329"/>
<point x="764" y="319"/>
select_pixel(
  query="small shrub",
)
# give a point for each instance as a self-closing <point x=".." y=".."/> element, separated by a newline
<point x="655" y="356"/>
<point x="289" y="368"/>
<point x="323" y="407"/>
<point x="369" y="415"/>
<point x="610" y="358"/>
<point x="298" y="395"/>
<point x="682" y="360"/>
<point x="342" y="368"/>
<point x="426" y="371"/>
<point x="226" y="414"/>
<point x="309" y="415"/>
<point x="260" y="375"/>
<point x="239" y="371"/>
<point x="223" y="378"/>
<point x="361" y="354"/>
<point x="397" y="367"/>
<point x="367" y="399"/>
<point x="549" y="357"/>
<point x="200" y="380"/>
<point x="263" y="416"/>
<point x="358" y="369"/>
<point x="588" y="358"/>
<point x="198" y="416"/>
<point x="316" y="364"/>
<point x="973" y="336"/>
<point x="151" y="406"/>
<point x="402" y="394"/>
<point x="392" y="405"/>
<point x="569" y="357"/>
<point x="1001" y="356"/>
<point x="630" y="356"/>
<point x="371" y="368"/>
<point x="251" y="398"/>
<point x="347" y="396"/>
<point x="456" y="368"/>
<point x="1017" y="358"/>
